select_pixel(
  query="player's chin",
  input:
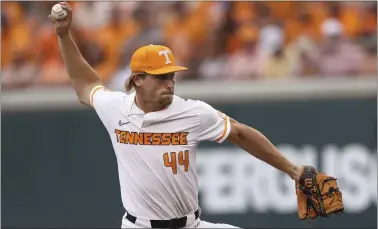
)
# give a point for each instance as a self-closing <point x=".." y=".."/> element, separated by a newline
<point x="166" y="99"/>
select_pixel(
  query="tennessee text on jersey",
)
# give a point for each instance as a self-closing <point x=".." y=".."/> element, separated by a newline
<point x="135" y="138"/>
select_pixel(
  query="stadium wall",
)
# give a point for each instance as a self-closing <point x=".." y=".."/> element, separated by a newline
<point x="59" y="169"/>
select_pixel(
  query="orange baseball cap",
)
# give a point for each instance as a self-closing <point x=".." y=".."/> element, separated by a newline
<point x="154" y="60"/>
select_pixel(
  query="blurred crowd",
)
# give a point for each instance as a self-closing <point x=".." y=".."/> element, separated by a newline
<point x="225" y="41"/>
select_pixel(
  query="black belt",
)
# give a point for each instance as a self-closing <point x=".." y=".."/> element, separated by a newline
<point x="171" y="223"/>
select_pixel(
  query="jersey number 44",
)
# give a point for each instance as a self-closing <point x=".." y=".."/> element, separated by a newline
<point x="174" y="159"/>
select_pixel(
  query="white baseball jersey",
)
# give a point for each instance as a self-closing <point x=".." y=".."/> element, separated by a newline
<point x="156" y="152"/>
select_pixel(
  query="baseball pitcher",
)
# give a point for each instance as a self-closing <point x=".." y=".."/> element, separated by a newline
<point x="155" y="134"/>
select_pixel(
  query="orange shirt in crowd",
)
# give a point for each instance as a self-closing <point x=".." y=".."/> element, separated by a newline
<point x="112" y="38"/>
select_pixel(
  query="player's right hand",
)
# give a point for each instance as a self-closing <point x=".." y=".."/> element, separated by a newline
<point x="62" y="27"/>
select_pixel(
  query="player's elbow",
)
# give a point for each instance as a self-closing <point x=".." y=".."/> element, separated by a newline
<point x="84" y="99"/>
<point x="84" y="93"/>
<point x="81" y="97"/>
<point x="85" y="102"/>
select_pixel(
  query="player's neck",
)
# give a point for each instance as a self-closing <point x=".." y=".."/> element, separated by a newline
<point x="145" y="106"/>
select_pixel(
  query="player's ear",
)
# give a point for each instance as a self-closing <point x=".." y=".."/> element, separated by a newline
<point x="138" y="79"/>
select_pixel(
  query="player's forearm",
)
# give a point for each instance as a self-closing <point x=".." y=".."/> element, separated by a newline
<point x="79" y="71"/>
<point x="260" y="147"/>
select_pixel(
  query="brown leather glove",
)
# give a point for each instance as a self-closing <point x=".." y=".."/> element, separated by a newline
<point x="317" y="195"/>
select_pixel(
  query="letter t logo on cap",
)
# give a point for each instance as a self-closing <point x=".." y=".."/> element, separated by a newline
<point x="165" y="53"/>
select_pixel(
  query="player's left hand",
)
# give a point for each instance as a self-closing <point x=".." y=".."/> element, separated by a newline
<point x="317" y="194"/>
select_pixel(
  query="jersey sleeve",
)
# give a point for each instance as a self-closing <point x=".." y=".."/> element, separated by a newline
<point x="106" y="103"/>
<point x="213" y="125"/>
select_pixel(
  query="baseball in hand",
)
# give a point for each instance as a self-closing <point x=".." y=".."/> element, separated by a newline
<point x="58" y="12"/>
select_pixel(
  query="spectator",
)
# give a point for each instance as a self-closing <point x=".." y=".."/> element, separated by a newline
<point x="184" y="32"/>
<point x="118" y="80"/>
<point x="18" y="31"/>
<point x="6" y="51"/>
<point x="339" y="56"/>
<point x="227" y="29"/>
<point x="147" y="33"/>
<point x="212" y="67"/>
<point x="368" y="32"/>
<point x="301" y="36"/>
<point x="52" y="73"/>
<point x="99" y="14"/>
<point x="368" y="39"/>
<point x="111" y="38"/>
<point x="279" y="61"/>
<point x="48" y="58"/>
<point x="92" y="52"/>
<point x="244" y="63"/>
<point x="263" y="14"/>
<point x="21" y="72"/>
<point x="37" y="11"/>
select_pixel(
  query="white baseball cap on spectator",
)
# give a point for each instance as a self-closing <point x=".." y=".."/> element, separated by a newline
<point x="271" y="38"/>
<point x="332" y="27"/>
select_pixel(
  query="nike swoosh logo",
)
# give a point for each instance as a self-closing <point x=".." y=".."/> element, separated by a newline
<point x="120" y="123"/>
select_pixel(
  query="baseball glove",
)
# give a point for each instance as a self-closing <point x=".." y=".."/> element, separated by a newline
<point x="317" y="195"/>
